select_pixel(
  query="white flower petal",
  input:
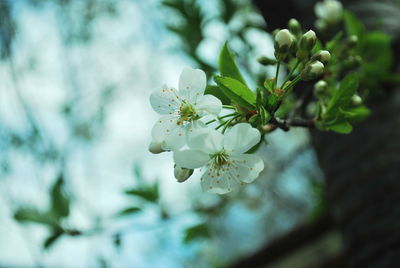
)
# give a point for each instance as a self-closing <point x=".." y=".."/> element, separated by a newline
<point x="217" y="183"/>
<point x="167" y="132"/>
<point x="241" y="138"/>
<point x="209" y="104"/>
<point x="165" y="100"/>
<point x="247" y="167"/>
<point x="206" y="139"/>
<point x="191" y="158"/>
<point x="192" y="84"/>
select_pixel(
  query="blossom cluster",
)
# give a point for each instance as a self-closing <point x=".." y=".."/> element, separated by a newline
<point x="221" y="156"/>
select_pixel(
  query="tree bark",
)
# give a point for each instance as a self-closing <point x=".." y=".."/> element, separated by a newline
<point x="362" y="169"/>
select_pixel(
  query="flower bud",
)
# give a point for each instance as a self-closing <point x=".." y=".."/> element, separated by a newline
<point x="356" y="99"/>
<point x="352" y="41"/>
<point x="308" y="40"/>
<point x="182" y="174"/>
<point x="156" y="147"/>
<point x="312" y="70"/>
<point x="283" y="41"/>
<point x="320" y="87"/>
<point x="353" y="62"/>
<point x="330" y="11"/>
<point x="294" y="26"/>
<point x="320" y="25"/>
<point x="284" y="38"/>
<point x="323" y="56"/>
<point x="266" y="61"/>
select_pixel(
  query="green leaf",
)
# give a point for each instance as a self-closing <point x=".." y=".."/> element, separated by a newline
<point x="343" y="95"/>
<point x="272" y="102"/>
<point x="236" y="91"/>
<point x="217" y="92"/>
<point x="377" y="54"/>
<point x="57" y="233"/>
<point x="227" y="65"/>
<point x="60" y="202"/>
<point x="356" y="114"/>
<point x="129" y="211"/>
<point x="199" y="231"/>
<point x="269" y="85"/>
<point x="148" y="192"/>
<point x="342" y="128"/>
<point x="35" y="216"/>
<point x="353" y="25"/>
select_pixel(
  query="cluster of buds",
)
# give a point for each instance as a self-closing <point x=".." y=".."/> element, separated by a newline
<point x="314" y="68"/>
<point x="291" y="43"/>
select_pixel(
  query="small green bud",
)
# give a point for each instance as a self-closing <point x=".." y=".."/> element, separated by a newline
<point x="294" y="26"/>
<point x="352" y="41"/>
<point x="182" y="174"/>
<point x="323" y="56"/>
<point x="320" y="88"/>
<point x="156" y="147"/>
<point x="321" y="25"/>
<point x="266" y="61"/>
<point x="356" y="99"/>
<point x="312" y="71"/>
<point x="353" y="61"/>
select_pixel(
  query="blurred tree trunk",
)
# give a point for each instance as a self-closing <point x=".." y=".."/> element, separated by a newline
<point x="362" y="169"/>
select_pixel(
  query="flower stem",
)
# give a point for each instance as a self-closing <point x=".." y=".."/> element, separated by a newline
<point x="294" y="82"/>
<point x="228" y="107"/>
<point x="291" y="73"/>
<point x="222" y="117"/>
<point x="227" y="115"/>
<point x="209" y="122"/>
<point x="229" y="122"/>
<point x="278" y="65"/>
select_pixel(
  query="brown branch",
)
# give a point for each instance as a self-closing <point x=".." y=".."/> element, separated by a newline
<point x="286" y="124"/>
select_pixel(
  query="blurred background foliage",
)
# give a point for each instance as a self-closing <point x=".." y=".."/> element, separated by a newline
<point x="78" y="187"/>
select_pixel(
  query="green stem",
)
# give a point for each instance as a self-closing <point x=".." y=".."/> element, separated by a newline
<point x="229" y="122"/>
<point x="291" y="73"/>
<point x="228" y="107"/>
<point x="227" y="115"/>
<point x="293" y="83"/>
<point x="221" y="117"/>
<point x="277" y="74"/>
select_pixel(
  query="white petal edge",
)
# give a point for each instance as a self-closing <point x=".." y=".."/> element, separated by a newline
<point x="165" y="100"/>
<point x="241" y="138"/>
<point x="167" y="132"/>
<point x="206" y="139"/>
<point x="208" y="104"/>
<point x="192" y="84"/>
<point x="248" y="167"/>
<point x="191" y="158"/>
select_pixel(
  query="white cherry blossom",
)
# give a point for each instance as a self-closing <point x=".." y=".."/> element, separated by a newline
<point x="181" y="109"/>
<point x="223" y="158"/>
